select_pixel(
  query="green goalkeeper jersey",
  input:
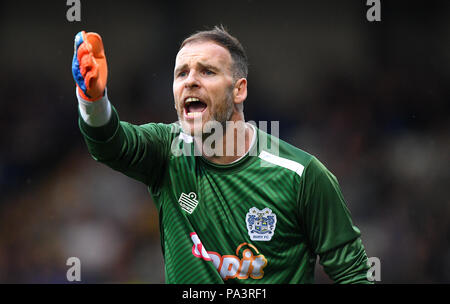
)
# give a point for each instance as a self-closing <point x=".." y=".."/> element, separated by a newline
<point x="262" y="219"/>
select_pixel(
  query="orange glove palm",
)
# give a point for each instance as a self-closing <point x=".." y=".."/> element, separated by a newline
<point x="89" y="67"/>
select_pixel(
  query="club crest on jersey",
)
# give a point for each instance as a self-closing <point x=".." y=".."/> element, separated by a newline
<point x="261" y="224"/>
<point x="188" y="202"/>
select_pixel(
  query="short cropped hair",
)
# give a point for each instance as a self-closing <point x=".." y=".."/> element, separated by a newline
<point x="221" y="36"/>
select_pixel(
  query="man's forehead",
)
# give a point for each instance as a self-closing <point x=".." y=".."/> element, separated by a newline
<point x="203" y="52"/>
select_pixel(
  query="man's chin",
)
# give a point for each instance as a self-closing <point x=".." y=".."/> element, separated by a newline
<point x="191" y="128"/>
<point x="201" y="129"/>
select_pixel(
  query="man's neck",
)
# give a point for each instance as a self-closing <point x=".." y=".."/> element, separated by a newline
<point x="235" y="142"/>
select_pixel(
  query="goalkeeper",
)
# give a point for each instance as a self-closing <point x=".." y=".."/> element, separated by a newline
<point x="244" y="214"/>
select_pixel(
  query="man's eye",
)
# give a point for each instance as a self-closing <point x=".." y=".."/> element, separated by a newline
<point x="181" y="74"/>
<point x="209" y="72"/>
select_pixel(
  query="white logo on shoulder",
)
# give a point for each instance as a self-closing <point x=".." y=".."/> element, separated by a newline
<point x="188" y="202"/>
<point x="261" y="224"/>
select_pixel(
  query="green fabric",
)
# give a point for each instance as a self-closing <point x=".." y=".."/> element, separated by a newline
<point x="311" y="214"/>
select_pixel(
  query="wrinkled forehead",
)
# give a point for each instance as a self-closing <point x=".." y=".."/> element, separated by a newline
<point x="206" y="52"/>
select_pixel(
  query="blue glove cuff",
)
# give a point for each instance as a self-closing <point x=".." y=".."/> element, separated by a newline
<point x="76" y="64"/>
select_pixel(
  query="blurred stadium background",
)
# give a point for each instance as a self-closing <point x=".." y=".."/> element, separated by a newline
<point x="370" y="100"/>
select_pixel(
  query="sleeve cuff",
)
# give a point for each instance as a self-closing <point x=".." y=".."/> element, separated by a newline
<point x="103" y="133"/>
<point x="94" y="114"/>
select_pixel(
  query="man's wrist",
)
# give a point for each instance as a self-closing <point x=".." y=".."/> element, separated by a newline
<point x="97" y="113"/>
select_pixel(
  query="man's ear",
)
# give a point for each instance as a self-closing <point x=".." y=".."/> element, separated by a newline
<point x="240" y="91"/>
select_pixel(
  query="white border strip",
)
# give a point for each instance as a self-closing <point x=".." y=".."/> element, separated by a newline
<point x="282" y="162"/>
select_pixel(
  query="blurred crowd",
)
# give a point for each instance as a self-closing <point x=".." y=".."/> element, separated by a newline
<point x="371" y="103"/>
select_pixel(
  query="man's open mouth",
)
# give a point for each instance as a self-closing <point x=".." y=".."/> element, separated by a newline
<point x="193" y="107"/>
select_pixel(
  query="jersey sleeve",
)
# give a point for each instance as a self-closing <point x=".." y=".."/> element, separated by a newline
<point x="347" y="264"/>
<point x="327" y="224"/>
<point x="138" y="151"/>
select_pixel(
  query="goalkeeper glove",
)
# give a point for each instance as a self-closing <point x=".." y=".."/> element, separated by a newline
<point x="89" y="67"/>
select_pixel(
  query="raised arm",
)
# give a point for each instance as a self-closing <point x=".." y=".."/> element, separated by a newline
<point x="137" y="151"/>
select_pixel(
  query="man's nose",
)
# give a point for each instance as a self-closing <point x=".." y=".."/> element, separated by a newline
<point x="191" y="80"/>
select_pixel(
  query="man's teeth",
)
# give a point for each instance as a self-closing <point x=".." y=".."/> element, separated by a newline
<point x="193" y="114"/>
<point x="191" y="99"/>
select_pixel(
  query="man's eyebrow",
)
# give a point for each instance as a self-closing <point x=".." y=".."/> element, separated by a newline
<point x="203" y="65"/>
<point x="179" y="68"/>
<point x="207" y="66"/>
